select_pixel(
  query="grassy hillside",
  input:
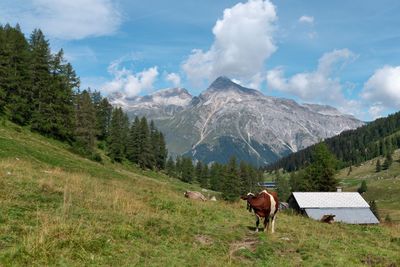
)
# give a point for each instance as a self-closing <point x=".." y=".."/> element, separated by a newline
<point x="384" y="186"/>
<point x="59" y="209"/>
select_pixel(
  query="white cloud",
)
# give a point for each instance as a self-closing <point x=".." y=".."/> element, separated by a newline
<point x="174" y="78"/>
<point x="306" y="19"/>
<point x="243" y="40"/>
<point x="375" y="111"/>
<point x="382" y="89"/>
<point x="321" y="85"/>
<point x="127" y="82"/>
<point x="64" y="19"/>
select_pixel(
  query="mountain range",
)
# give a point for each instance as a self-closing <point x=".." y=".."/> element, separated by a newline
<point x="228" y="119"/>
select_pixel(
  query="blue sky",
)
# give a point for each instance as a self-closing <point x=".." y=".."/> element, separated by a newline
<point x="342" y="53"/>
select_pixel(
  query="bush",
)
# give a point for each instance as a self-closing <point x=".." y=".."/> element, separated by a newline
<point x="96" y="157"/>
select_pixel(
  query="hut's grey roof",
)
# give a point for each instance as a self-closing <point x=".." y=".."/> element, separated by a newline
<point x="346" y="215"/>
<point x="330" y="200"/>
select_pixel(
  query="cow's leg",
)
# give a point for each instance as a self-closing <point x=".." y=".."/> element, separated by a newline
<point x="273" y="224"/>
<point x="257" y="222"/>
<point x="266" y="223"/>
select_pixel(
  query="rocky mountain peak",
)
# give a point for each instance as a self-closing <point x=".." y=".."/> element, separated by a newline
<point x="224" y="85"/>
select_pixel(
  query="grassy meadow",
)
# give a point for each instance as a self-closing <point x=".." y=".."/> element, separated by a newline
<point x="57" y="208"/>
<point x="383" y="186"/>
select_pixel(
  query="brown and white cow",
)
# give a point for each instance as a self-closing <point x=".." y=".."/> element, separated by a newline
<point x="265" y="205"/>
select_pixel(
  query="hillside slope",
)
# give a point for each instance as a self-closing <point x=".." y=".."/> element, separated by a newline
<point x="60" y="209"/>
<point x="383" y="186"/>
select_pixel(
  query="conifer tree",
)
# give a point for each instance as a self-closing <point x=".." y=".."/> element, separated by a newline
<point x="363" y="187"/>
<point x="42" y="93"/>
<point x="178" y="166"/>
<point x="198" y="171"/>
<point x="374" y="209"/>
<point x="320" y="175"/>
<point x="231" y="188"/>
<point x="15" y="75"/>
<point x="116" y="145"/>
<point x="187" y="169"/>
<point x="245" y="178"/>
<point x="170" y="167"/>
<point x="125" y="131"/>
<point x="63" y="83"/>
<point x="282" y="187"/>
<point x="146" y="157"/>
<point x="216" y="181"/>
<point x="133" y="144"/>
<point x="103" y="119"/>
<point x="378" y="167"/>
<point x="162" y="152"/>
<point x="204" y="181"/>
<point x="85" y="127"/>
<point x="3" y="70"/>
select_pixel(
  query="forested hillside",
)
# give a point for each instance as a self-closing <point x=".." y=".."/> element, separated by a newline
<point x="378" y="138"/>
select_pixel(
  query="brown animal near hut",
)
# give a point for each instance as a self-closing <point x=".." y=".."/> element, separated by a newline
<point x="328" y="218"/>
<point x="265" y="205"/>
<point x="195" y="195"/>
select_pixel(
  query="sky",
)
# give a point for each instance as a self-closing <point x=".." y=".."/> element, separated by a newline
<point x="341" y="53"/>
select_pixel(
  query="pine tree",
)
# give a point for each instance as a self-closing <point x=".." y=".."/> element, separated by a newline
<point x="378" y="167"/>
<point x="363" y="187"/>
<point x="217" y="172"/>
<point x="231" y="188"/>
<point x="85" y="127"/>
<point x="248" y="178"/>
<point x="3" y="69"/>
<point x="116" y="146"/>
<point x="204" y="182"/>
<point x="178" y="167"/>
<point x="146" y="158"/>
<point x="42" y="92"/>
<point x="282" y="187"/>
<point x="170" y="167"/>
<point x="388" y="161"/>
<point x="187" y="170"/>
<point x="133" y="144"/>
<point x="125" y="131"/>
<point x="350" y="170"/>
<point x="15" y="75"/>
<point x="374" y="209"/>
<point x="198" y="171"/>
<point x="103" y="119"/>
<point x="162" y="152"/>
<point x="63" y="83"/>
<point x="320" y="175"/>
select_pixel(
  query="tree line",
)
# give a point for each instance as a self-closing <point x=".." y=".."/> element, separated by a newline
<point x="232" y="179"/>
<point x="378" y="138"/>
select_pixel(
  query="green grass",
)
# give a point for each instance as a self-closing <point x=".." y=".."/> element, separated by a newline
<point x="57" y="208"/>
<point x="384" y="186"/>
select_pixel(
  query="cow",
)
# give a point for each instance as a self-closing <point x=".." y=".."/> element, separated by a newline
<point x="195" y="195"/>
<point x="265" y="205"/>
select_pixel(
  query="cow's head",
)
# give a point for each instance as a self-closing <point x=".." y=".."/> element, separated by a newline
<point x="247" y="198"/>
